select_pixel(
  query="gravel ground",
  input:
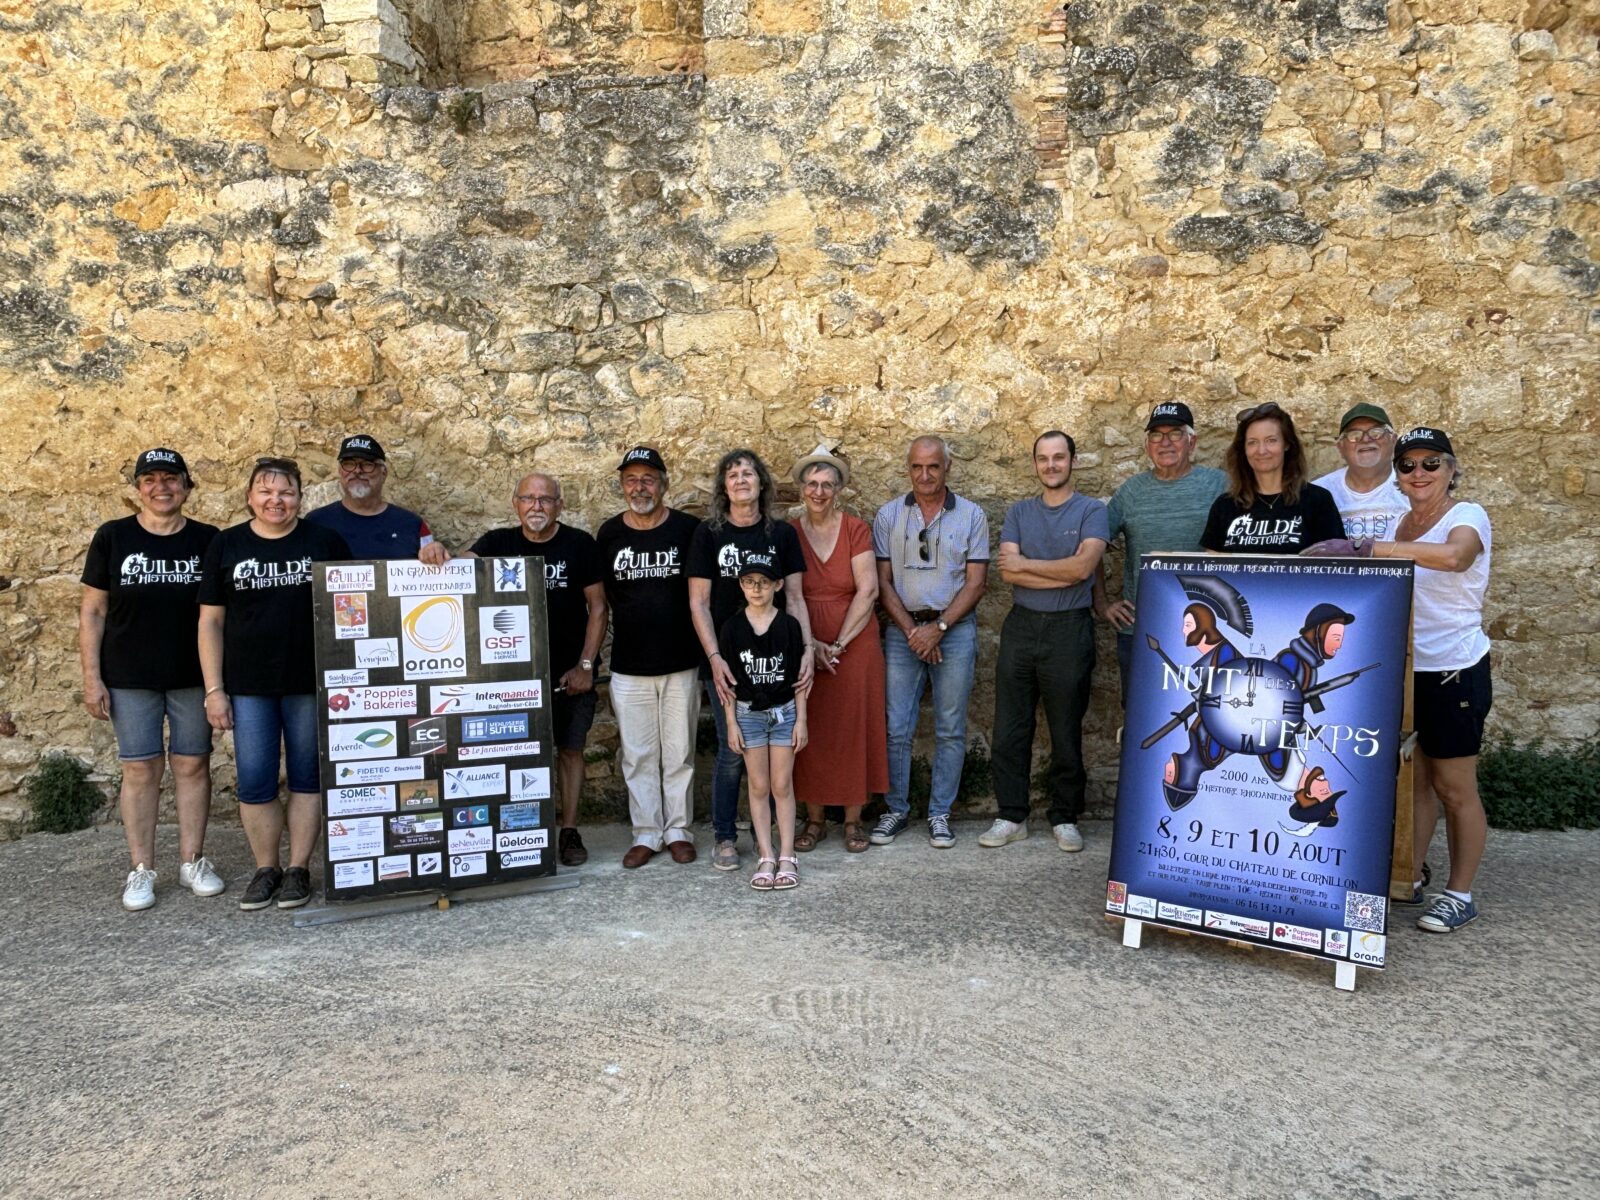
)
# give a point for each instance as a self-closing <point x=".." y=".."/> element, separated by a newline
<point x="909" y="1022"/>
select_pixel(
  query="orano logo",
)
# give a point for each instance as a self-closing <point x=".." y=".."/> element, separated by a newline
<point x="375" y="739"/>
<point x="435" y="624"/>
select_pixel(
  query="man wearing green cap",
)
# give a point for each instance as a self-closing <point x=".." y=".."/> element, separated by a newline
<point x="1369" y="498"/>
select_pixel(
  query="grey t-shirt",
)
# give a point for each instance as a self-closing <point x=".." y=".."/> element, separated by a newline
<point x="1040" y="531"/>
<point x="1161" y="516"/>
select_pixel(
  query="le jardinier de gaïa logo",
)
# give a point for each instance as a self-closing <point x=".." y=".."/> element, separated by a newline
<point x="252" y="573"/>
<point x="646" y="564"/>
<point x="139" y="570"/>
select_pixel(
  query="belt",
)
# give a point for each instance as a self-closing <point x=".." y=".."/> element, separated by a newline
<point x="924" y="615"/>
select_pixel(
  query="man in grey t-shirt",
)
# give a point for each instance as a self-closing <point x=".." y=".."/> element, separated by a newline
<point x="1050" y="548"/>
<point x="1163" y="509"/>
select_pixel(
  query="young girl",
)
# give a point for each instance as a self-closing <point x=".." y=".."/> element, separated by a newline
<point x="764" y="646"/>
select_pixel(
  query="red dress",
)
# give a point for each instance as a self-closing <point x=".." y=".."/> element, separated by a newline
<point x="847" y="757"/>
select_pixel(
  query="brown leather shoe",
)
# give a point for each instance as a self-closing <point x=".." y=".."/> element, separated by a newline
<point x="682" y="852"/>
<point x="637" y="856"/>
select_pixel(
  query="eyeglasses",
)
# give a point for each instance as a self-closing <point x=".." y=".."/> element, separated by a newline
<point x="539" y="501"/>
<point x="1269" y="409"/>
<point x="821" y="485"/>
<point x="1357" y="436"/>
<point x="1166" y="437"/>
<point x="360" y="466"/>
<point x="1430" y="464"/>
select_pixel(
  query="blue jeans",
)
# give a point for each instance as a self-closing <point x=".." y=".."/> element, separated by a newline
<point x="762" y="727"/>
<point x="727" y="777"/>
<point x="261" y="724"/>
<point x="907" y="676"/>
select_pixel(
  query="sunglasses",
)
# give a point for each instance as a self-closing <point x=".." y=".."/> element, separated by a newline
<point x="1356" y="436"/>
<point x="1430" y="464"/>
<point x="1269" y="409"/>
<point x="278" y="464"/>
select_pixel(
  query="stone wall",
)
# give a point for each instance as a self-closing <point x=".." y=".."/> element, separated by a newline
<point x="508" y="233"/>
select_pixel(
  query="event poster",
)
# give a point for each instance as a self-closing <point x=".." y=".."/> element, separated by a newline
<point x="1256" y="795"/>
<point x="437" y="761"/>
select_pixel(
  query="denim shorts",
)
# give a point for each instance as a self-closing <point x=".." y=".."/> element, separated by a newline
<point x="261" y="724"/>
<point x="765" y="726"/>
<point x="136" y="715"/>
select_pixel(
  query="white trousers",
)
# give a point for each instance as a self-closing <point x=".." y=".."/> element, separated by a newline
<point x="657" y="717"/>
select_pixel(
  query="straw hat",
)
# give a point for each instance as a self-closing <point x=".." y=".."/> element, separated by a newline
<point x="823" y="455"/>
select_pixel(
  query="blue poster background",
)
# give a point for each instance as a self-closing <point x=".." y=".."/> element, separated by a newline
<point x="1256" y="795"/>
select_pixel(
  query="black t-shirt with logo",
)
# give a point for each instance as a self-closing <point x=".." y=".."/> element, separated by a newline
<point x="569" y="567"/>
<point x="152" y="583"/>
<point x="764" y="665"/>
<point x="268" y="645"/>
<point x="647" y="582"/>
<point x="1271" y="526"/>
<point x="718" y="555"/>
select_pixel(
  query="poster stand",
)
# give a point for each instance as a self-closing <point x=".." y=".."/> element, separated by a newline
<point x="1344" y="974"/>
<point x="338" y="913"/>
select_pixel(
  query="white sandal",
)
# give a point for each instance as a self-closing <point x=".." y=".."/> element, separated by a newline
<point x="788" y="878"/>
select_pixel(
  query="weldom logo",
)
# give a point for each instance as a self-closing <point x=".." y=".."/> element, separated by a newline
<point x="503" y="635"/>
<point x="433" y="633"/>
<point x="510" y="575"/>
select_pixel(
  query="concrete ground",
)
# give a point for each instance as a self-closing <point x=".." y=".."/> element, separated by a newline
<point x="909" y="1022"/>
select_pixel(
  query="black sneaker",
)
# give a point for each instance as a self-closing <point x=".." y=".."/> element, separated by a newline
<point x="296" y="888"/>
<point x="263" y="887"/>
<point x="890" y="826"/>
<point x="571" y="848"/>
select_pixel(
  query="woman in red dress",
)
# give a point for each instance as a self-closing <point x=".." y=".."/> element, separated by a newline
<point x="847" y="759"/>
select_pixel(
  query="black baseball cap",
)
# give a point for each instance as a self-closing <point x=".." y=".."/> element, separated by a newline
<point x="759" y="564"/>
<point x="1170" y="412"/>
<point x="1423" y="438"/>
<point x="361" y="445"/>
<point x="643" y="456"/>
<point x="1327" y="612"/>
<point x="159" y="458"/>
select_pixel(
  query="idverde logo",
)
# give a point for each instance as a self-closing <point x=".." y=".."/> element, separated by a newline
<point x="375" y="739"/>
<point x="434" y="624"/>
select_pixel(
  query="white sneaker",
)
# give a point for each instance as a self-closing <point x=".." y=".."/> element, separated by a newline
<point x="200" y="877"/>
<point x="1067" y="837"/>
<point x="1003" y="833"/>
<point x="140" y="891"/>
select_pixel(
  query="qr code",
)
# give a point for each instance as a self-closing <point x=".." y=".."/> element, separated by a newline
<point x="1363" y="911"/>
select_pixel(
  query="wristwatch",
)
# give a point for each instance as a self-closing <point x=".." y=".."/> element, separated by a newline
<point x="586" y="663"/>
<point x="943" y="628"/>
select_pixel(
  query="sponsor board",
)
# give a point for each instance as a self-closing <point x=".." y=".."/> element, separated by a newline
<point x="355" y="774"/>
<point x="507" y="727"/>
<point x="1368" y="948"/>
<point x="1141" y="906"/>
<point x="349" y="703"/>
<point x="363" y="739"/>
<point x="530" y="783"/>
<point x="353" y="801"/>
<point x="1296" y="935"/>
<point x="469" y="814"/>
<point x="426" y="736"/>
<point x="433" y="637"/>
<point x="486" y="697"/>
<point x="1336" y="942"/>
<point x="503" y="635"/>
<point x="430" y="864"/>
<point x="1228" y="923"/>
<point x="463" y="865"/>
<point x="394" y="866"/>
<point x="410" y="578"/>
<point x="423" y="793"/>
<point x="378" y="652"/>
<point x="496" y="750"/>
<point x="479" y="839"/>
<point x="531" y="839"/>
<point x="1116" y="897"/>
<point x="521" y="858"/>
<point x="344" y="679"/>
<point x="355" y="837"/>
<point x="352" y="874"/>
<point x="350" y="616"/>
<point x="350" y="579"/>
<point x="1180" y="913"/>
<point x="464" y="783"/>
<point x="510" y="575"/>
<point x="519" y="816"/>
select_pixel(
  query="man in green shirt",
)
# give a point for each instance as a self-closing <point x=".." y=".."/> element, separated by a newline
<point x="1162" y="510"/>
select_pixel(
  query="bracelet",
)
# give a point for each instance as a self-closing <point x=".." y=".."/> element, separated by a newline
<point x="210" y="691"/>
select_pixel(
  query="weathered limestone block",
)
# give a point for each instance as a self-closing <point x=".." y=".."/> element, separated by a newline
<point x="708" y="333"/>
<point x="335" y="362"/>
<point x="428" y="350"/>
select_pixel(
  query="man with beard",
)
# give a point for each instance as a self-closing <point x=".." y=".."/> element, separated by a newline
<point x="1365" y="488"/>
<point x="655" y="657"/>
<point x="1050" y="548"/>
<point x="373" y="527"/>
<point x="575" y="601"/>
